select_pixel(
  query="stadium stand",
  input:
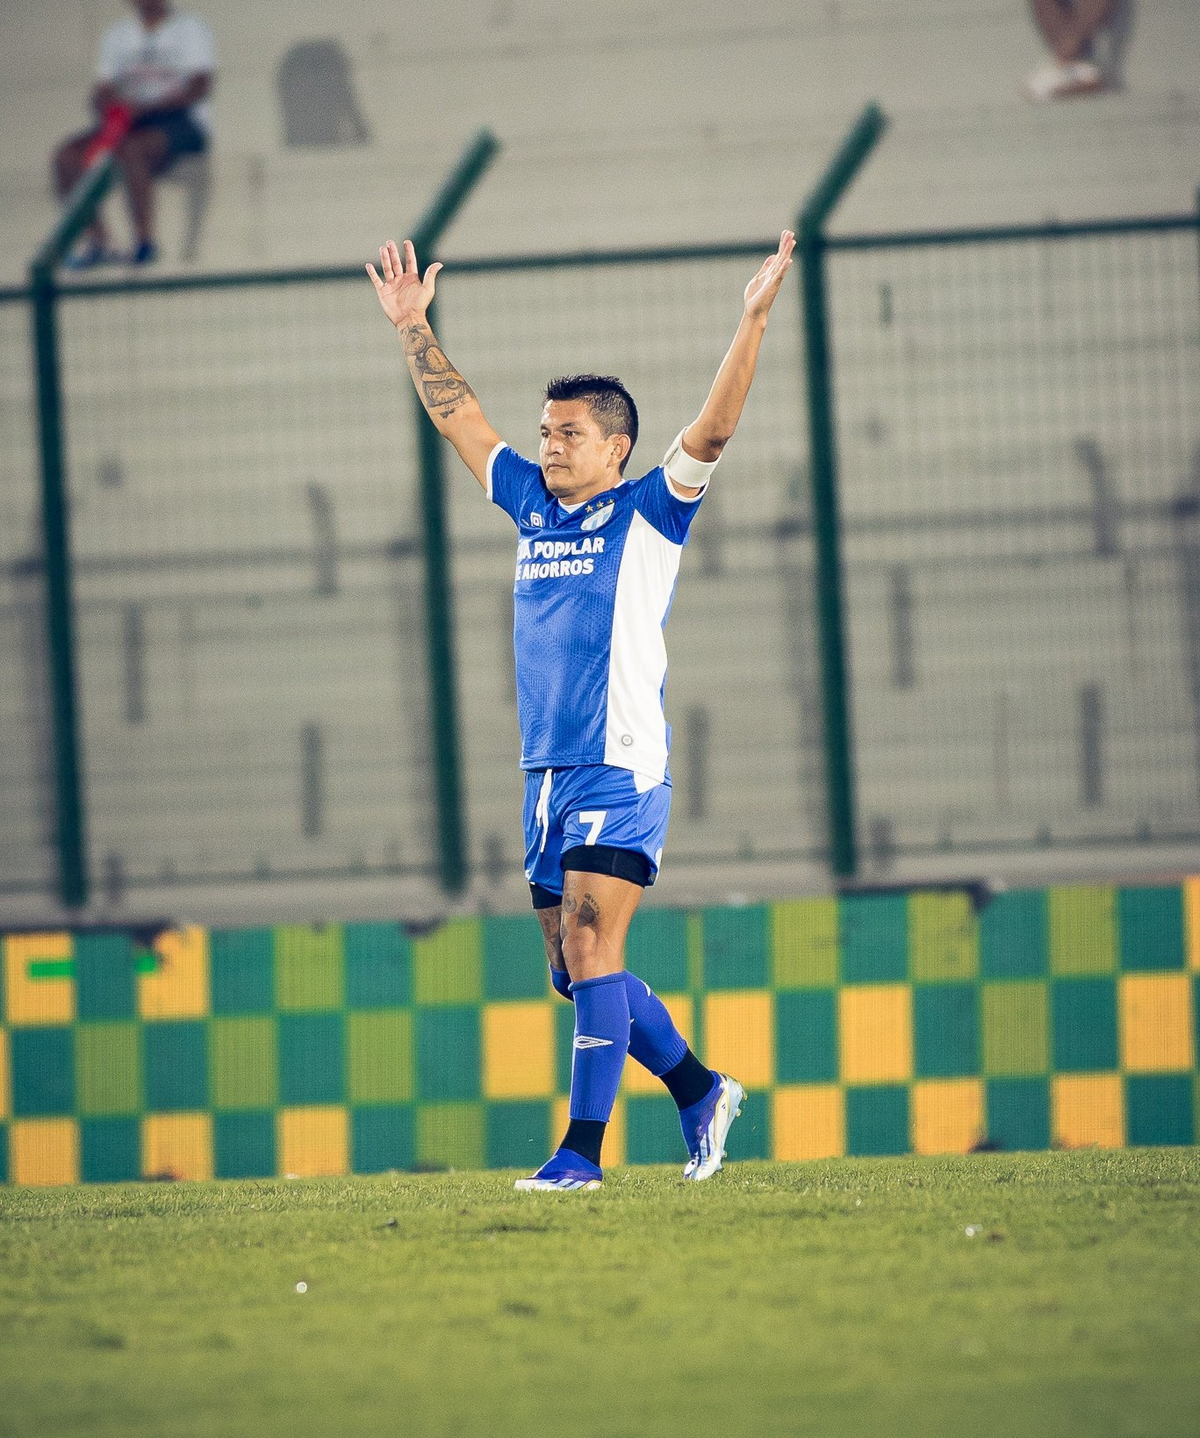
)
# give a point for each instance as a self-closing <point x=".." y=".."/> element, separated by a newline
<point x="641" y="125"/>
<point x="251" y="650"/>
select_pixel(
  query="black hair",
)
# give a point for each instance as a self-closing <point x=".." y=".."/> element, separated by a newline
<point x="610" y="403"/>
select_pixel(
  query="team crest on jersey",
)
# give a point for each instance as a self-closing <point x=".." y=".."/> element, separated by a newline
<point x="600" y="518"/>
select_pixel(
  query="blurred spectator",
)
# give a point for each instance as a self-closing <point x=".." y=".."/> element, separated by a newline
<point x="153" y="79"/>
<point x="1070" y="28"/>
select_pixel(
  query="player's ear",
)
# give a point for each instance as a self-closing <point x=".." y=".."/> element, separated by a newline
<point x="622" y="445"/>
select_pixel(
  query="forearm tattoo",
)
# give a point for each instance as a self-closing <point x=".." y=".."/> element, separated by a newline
<point x="441" y="387"/>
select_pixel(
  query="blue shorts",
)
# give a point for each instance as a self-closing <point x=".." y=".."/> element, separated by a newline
<point x="592" y="806"/>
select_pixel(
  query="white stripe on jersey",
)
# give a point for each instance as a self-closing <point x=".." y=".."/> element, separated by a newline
<point x="635" y="733"/>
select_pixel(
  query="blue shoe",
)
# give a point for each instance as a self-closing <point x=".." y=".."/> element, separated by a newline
<point x="563" y="1172"/>
<point x="706" y="1124"/>
<point x="145" y="254"/>
<point x="89" y="257"/>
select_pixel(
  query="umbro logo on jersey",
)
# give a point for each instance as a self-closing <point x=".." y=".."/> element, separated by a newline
<point x="582" y="1041"/>
<point x="536" y="521"/>
<point x="599" y="519"/>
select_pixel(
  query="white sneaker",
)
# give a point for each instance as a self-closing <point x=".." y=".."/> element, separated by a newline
<point x="1060" y="80"/>
<point x="709" y="1122"/>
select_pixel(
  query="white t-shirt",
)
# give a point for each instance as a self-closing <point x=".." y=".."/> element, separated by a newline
<point x="147" y="65"/>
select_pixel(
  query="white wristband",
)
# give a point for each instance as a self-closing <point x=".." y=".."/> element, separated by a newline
<point x="683" y="469"/>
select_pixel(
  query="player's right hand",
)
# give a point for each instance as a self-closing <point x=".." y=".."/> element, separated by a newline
<point x="403" y="295"/>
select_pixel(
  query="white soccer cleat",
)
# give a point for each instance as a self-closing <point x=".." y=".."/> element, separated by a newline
<point x="712" y="1119"/>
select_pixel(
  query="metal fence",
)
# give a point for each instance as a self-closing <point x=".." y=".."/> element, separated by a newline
<point x="1017" y="431"/>
<point x="1019" y="436"/>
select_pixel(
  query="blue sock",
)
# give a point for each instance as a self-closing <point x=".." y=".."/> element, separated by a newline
<point x="601" y="1043"/>
<point x="654" y="1041"/>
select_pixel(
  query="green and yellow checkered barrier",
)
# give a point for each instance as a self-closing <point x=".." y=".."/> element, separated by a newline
<point x="868" y="1024"/>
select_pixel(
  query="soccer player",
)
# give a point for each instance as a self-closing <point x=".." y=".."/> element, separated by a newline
<point x="597" y="560"/>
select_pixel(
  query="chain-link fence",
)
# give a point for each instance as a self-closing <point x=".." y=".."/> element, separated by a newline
<point x="247" y="585"/>
<point x="26" y="783"/>
<point x="1017" y="430"/>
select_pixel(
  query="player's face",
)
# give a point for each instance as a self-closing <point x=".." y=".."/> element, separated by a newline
<point x="578" y="459"/>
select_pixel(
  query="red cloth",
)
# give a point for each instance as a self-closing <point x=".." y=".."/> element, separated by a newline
<point x="114" y="126"/>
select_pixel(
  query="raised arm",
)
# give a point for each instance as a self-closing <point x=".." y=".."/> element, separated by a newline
<point x="448" y="399"/>
<point x="711" y="430"/>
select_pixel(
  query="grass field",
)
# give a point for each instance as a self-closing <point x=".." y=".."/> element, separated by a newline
<point x="838" y="1298"/>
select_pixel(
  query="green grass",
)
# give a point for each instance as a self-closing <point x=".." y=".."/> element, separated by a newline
<point x="839" y="1298"/>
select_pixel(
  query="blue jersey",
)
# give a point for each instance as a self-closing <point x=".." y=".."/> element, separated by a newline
<point x="593" y="589"/>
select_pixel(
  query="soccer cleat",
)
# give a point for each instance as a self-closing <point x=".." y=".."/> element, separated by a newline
<point x="706" y="1124"/>
<point x="563" y="1172"/>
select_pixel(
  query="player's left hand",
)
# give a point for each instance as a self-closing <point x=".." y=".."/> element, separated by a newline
<point x="762" y="289"/>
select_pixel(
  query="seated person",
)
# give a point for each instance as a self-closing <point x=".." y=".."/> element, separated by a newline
<point x="153" y="80"/>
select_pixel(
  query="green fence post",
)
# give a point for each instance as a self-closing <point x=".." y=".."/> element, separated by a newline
<point x="439" y="608"/>
<point x="70" y="827"/>
<point x="831" y="623"/>
<point x="60" y="618"/>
